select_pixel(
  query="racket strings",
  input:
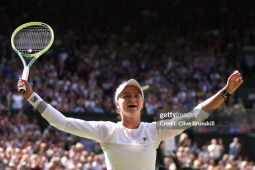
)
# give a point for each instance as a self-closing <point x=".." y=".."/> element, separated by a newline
<point x="33" y="39"/>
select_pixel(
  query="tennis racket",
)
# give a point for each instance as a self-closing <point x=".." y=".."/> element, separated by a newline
<point x="30" y="41"/>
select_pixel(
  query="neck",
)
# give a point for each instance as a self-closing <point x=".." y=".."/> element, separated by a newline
<point x="131" y="123"/>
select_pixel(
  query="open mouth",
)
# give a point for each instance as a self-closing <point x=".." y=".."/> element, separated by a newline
<point x="132" y="106"/>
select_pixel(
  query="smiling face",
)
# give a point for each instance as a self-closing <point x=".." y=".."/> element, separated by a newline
<point x="130" y="102"/>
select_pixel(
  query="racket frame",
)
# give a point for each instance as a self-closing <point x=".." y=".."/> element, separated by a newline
<point x="34" y="55"/>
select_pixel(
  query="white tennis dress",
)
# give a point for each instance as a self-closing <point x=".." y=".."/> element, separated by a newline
<point x="124" y="149"/>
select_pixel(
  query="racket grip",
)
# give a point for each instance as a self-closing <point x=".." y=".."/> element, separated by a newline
<point x="25" y="73"/>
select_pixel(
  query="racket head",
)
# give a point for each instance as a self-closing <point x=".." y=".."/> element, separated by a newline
<point x="32" y="39"/>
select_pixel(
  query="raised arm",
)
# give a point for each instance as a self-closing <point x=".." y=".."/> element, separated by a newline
<point x="88" y="129"/>
<point x="172" y="127"/>
<point x="233" y="82"/>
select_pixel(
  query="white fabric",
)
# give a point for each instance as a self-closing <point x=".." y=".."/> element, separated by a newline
<point x="17" y="101"/>
<point x="124" y="148"/>
<point x="34" y="99"/>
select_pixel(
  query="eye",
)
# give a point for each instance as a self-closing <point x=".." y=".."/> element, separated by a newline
<point x="137" y="96"/>
<point x="126" y="96"/>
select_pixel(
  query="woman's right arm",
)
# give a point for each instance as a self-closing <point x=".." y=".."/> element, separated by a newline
<point x="87" y="129"/>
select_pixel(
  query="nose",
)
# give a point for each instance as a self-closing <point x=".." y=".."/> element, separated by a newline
<point x="132" y="98"/>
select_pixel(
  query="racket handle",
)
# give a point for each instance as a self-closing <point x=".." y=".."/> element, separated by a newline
<point x="25" y="73"/>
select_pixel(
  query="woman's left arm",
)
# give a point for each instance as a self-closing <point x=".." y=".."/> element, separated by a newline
<point x="234" y="81"/>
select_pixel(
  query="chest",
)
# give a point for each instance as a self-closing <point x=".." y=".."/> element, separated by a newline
<point x="131" y="153"/>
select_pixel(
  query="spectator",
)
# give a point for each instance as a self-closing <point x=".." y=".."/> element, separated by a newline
<point x="169" y="163"/>
<point x="88" y="144"/>
<point x="215" y="150"/>
<point x="17" y="101"/>
<point x="234" y="148"/>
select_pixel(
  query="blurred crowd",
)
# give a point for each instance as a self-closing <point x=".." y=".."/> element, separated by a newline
<point x="183" y="50"/>
<point x="211" y="156"/>
<point x="23" y="146"/>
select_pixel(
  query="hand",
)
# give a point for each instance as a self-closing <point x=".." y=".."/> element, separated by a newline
<point x="234" y="81"/>
<point x="29" y="90"/>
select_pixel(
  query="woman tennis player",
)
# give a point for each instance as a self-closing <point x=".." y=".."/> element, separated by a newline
<point x="130" y="143"/>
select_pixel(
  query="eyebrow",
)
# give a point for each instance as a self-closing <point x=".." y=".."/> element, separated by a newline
<point x="130" y="93"/>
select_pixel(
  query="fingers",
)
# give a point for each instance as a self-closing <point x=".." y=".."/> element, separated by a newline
<point x="236" y="76"/>
<point x="236" y="73"/>
<point x="21" y="82"/>
<point x="29" y="89"/>
<point x="234" y="81"/>
<point x="240" y="79"/>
